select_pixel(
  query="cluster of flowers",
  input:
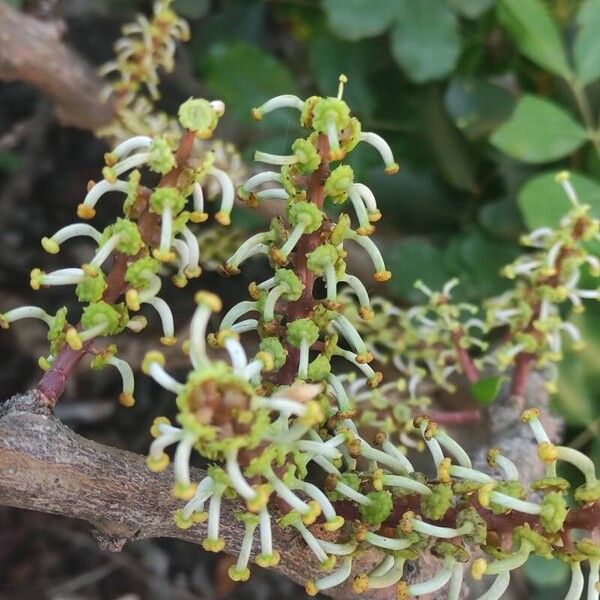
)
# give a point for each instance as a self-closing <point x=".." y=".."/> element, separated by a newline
<point x="147" y="46"/>
<point x="153" y="231"/>
<point x="429" y="344"/>
<point x="262" y="421"/>
<point x="261" y="446"/>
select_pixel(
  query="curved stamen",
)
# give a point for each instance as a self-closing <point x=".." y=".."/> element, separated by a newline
<point x="386" y="542"/>
<point x="245" y="325"/>
<point x="245" y="250"/>
<point x="406" y="483"/>
<point x="383" y="148"/>
<point x="156" y="371"/>
<point x="26" y="312"/>
<point x="86" y="209"/>
<point x="434" y="584"/>
<point x="260" y="178"/>
<point x="275" y="159"/>
<point x="350" y="334"/>
<point x="238" y="481"/>
<point x="293" y="239"/>
<point x="359" y="289"/>
<point x="577" y="582"/>
<point x="181" y="462"/>
<point x="127" y="377"/>
<point x="52" y="244"/>
<point x="498" y="588"/>
<point x="133" y="143"/>
<point x="283" y="101"/>
<point x="336" y="578"/>
<point x="227" y="195"/>
<point x="166" y="319"/>
<point x="234" y="313"/>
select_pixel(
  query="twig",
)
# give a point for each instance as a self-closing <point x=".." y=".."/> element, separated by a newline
<point x="32" y="51"/>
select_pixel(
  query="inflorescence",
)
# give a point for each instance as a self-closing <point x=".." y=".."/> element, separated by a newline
<point x="261" y="420"/>
<point x="152" y="235"/>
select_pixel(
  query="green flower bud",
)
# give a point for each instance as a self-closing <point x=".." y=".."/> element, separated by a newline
<point x="306" y="116"/>
<point x="287" y="173"/>
<point x="588" y="547"/>
<point x="308" y="157"/>
<point x="132" y="191"/>
<point x="330" y="109"/>
<point x="319" y="368"/>
<point x="470" y="515"/>
<point x="130" y="241"/>
<point x="99" y="361"/>
<point x="139" y="273"/>
<point x="554" y="512"/>
<point x="551" y="483"/>
<point x="302" y="330"/>
<point x="273" y="346"/>
<point x="102" y="313"/>
<point x="91" y="287"/>
<point x="288" y="278"/>
<point x="510" y="488"/>
<point x="352" y="135"/>
<point x="587" y="493"/>
<point x="379" y="509"/>
<point x="541" y="546"/>
<point x="161" y="158"/>
<point x="338" y="183"/>
<point x="197" y="114"/>
<point x="167" y="197"/>
<point x="321" y="257"/>
<point x="57" y="327"/>
<point x="307" y="214"/>
<point x="341" y="229"/>
<point x="435" y="505"/>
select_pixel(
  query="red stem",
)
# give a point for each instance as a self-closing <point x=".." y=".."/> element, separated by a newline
<point x="455" y="417"/>
<point x="307" y="243"/>
<point x="466" y="362"/>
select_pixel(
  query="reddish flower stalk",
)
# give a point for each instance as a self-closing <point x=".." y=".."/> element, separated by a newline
<point x="307" y="243"/>
<point x="464" y="358"/>
<point x="53" y="382"/>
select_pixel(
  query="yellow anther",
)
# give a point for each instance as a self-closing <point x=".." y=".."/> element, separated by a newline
<point x="478" y="568"/>
<point x="212" y="301"/>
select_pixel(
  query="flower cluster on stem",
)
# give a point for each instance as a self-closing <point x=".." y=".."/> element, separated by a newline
<point x="124" y="273"/>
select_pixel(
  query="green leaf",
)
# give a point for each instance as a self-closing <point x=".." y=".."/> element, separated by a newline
<point x="411" y="260"/>
<point x="328" y="57"/>
<point x="358" y="19"/>
<point x="450" y="151"/>
<point x="538" y="132"/>
<point x="535" y="34"/>
<point x="501" y="219"/>
<point x="543" y="202"/>
<point x="470" y="8"/>
<point x="486" y="390"/>
<point x="545" y="573"/>
<point x="477" y="107"/>
<point x="425" y="41"/>
<point x="579" y="381"/>
<point x="586" y="49"/>
<point x="244" y="76"/>
<point x="191" y="9"/>
<point x="476" y="259"/>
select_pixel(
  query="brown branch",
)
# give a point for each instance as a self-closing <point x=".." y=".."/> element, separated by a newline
<point x="44" y="466"/>
<point x="32" y="51"/>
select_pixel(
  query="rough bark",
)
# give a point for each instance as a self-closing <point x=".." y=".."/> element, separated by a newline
<point x="44" y="466"/>
<point x="32" y="51"/>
